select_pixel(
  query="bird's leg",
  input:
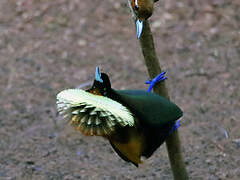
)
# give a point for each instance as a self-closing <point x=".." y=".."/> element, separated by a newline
<point x="176" y="126"/>
<point x="155" y="80"/>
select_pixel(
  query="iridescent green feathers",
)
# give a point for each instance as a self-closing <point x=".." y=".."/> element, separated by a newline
<point x="92" y="114"/>
<point x="153" y="110"/>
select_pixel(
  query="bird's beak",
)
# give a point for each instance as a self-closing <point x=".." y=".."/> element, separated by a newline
<point x="98" y="75"/>
<point x="139" y="25"/>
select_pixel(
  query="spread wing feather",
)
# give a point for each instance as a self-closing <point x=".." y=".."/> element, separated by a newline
<point x="92" y="114"/>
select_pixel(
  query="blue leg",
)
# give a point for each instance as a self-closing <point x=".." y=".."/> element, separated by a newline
<point x="176" y="126"/>
<point x="155" y="80"/>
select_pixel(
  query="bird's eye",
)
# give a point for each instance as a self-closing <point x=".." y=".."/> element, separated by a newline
<point x="136" y="7"/>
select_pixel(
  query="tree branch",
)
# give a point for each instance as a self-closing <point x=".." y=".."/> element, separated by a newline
<point x="173" y="142"/>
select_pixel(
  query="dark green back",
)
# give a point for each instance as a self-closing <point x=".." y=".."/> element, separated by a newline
<point x="152" y="109"/>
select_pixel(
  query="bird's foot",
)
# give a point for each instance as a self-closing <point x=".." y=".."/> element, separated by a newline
<point x="176" y="126"/>
<point x="158" y="78"/>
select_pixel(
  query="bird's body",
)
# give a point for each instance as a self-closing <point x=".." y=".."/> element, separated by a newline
<point x="148" y="120"/>
<point x="154" y="118"/>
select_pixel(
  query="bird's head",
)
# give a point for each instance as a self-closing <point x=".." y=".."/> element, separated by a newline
<point x="143" y="9"/>
<point x="101" y="85"/>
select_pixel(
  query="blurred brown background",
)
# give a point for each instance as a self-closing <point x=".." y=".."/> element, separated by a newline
<point x="48" y="46"/>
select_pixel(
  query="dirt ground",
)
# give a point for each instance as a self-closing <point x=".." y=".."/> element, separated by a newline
<point x="48" y="46"/>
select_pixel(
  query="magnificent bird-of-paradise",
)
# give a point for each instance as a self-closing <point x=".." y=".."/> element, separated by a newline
<point x="135" y="122"/>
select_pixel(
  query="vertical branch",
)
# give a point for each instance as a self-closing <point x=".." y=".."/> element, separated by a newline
<point x="151" y="60"/>
<point x="173" y="142"/>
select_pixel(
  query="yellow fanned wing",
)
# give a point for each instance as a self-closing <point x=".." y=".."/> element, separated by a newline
<point x="92" y="114"/>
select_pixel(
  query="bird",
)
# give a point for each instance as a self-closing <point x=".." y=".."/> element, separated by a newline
<point x="142" y="10"/>
<point x="135" y="122"/>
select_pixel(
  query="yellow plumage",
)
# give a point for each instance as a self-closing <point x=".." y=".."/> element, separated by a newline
<point x="92" y="114"/>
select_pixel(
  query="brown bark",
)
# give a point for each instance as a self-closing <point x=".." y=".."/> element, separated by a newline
<point x="173" y="142"/>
